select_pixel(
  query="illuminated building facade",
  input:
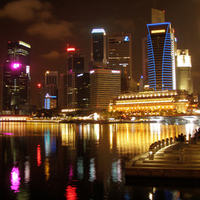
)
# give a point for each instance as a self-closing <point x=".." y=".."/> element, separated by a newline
<point x="50" y="102"/>
<point x="157" y="16"/>
<point x="83" y="85"/>
<point x="161" y="57"/>
<point x="120" y="57"/>
<point x="165" y="102"/>
<point x="184" y="67"/>
<point x="98" y="48"/>
<point x="104" y="85"/>
<point x="16" y="76"/>
<point x="75" y="66"/>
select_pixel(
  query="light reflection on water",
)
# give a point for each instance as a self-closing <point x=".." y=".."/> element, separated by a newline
<point x="15" y="179"/>
<point x="68" y="161"/>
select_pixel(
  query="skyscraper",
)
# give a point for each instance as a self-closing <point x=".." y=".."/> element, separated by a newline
<point x="75" y="66"/>
<point x="157" y="16"/>
<point x="161" y="58"/>
<point x="184" y="66"/>
<point x="120" y="57"/>
<point x="98" y="48"/>
<point x="16" y="76"/>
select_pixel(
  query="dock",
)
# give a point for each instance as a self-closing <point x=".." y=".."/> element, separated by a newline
<point x="175" y="160"/>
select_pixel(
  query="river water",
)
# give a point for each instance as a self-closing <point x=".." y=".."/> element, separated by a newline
<point x="84" y="161"/>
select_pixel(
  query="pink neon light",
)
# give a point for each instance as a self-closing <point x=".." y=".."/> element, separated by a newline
<point x="71" y="49"/>
<point x="7" y="134"/>
<point x="16" y="65"/>
<point x="15" y="179"/>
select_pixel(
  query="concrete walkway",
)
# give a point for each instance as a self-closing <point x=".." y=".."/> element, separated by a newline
<point x="179" y="160"/>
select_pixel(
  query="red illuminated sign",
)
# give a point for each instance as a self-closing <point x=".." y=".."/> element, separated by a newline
<point x="39" y="85"/>
<point x="71" y="49"/>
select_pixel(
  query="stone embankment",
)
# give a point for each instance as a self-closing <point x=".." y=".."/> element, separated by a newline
<point x="168" y="159"/>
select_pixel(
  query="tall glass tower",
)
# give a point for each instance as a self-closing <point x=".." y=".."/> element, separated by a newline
<point x="75" y="66"/>
<point x="16" y="76"/>
<point x="161" y="58"/>
<point x="98" y="48"/>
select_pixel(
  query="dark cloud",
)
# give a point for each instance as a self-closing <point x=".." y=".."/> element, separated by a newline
<point x="57" y="30"/>
<point x="52" y="55"/>
<point x="25" y="10"/>
<point x="127" y="25"/>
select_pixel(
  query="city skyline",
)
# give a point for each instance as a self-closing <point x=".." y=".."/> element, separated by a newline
<point x="48" y="28"/>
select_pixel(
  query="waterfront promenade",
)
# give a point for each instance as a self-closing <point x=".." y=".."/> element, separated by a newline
<point x="177" y="160"/>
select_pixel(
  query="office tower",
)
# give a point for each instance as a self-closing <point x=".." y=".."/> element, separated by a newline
<point x="120" y="57"/>
<point x="104" y="85"/>
<point x="161" y="58"/>
<point x="83" y="85"/>
<point x="157" y="16"/>
<point x="51" y="82"/>
<point x="16" y="76"/>
<point x="98" y="49"/>
<point x="51" y="89"/>
<point x="184" y="67"/>
<point x="62" y="97"/>
<point x="75" y="66"/>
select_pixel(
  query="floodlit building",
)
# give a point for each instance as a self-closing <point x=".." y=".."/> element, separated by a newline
<point x="98" y="48"/>
<point x="16" y="76"/>
<point x="120" y="57"/>
<point x="161" y="56"/>
<point x="104" y="85"/>
<point x="184" y="67"/>
<point x="165" y="102"/>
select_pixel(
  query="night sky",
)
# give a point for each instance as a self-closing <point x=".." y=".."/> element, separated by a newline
<point x="48" y="26"/>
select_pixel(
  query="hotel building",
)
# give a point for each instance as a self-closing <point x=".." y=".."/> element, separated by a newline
<point x="161" y="56"/>
<point x="104" y="85"/>
<point x="164" y="102"/>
